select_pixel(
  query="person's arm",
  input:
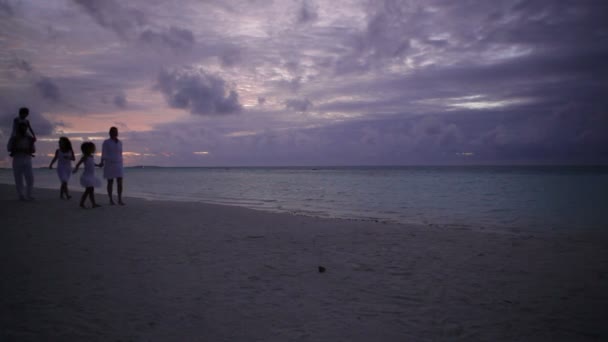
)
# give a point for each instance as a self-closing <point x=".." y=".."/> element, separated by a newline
<point x="14" y="131"/>
<point x="10" y="145"/>
<point x="72" y="157"/>
<point x="54" y="159"/>
<point x="78" y="164"/>
<point x="104" y="154"/>
<point x="31" y="130"/>
<point x="33" y="146"/>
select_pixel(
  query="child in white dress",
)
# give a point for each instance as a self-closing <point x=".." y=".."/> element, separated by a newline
<point x="64" y="156"/>
<point x="88" y="179"/>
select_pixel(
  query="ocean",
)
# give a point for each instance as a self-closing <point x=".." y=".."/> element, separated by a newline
<point x="493" y="197"/>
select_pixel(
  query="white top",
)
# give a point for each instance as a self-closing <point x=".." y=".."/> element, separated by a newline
<point x="111" y="151"/>
<point x="64" y="159"/>
<point x="64" y="165"/>
<point x="88" y="179"/>
<point x="111" y="157"/>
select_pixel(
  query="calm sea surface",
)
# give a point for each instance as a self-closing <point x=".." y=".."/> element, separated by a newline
<point x="496" y="197"/>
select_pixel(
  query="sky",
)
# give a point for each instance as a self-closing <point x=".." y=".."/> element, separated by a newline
<point x="311" y="82"/>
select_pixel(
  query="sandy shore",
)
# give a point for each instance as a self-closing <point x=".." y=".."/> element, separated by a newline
<point x="169" y="271"/>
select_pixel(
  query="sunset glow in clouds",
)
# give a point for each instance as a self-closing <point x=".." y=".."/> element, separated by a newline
<point x="311" y="82"/>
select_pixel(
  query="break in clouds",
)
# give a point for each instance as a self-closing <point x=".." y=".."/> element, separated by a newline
<point x="296" y="82"/>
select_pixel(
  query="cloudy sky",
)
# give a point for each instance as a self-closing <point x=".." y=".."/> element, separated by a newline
<point x="311" y="82"/>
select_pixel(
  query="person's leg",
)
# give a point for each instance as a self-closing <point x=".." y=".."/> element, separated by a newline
<point x="18" y="174"/>
<point x="110" y="185"/>
<point x="92" y="197"/>
<point x="119" y="190"/>
<point x="61" y="191"/>
<point x="84" y="197"/>
<point x="28" y="172"/>
<point x="65" y="190"/>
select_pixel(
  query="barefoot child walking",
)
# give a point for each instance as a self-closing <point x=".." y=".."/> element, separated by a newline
<point x="88" y="179"/>
<point x="64" y="156"/>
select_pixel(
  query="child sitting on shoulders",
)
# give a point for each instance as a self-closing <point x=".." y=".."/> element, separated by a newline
<point x="22" y="120"/>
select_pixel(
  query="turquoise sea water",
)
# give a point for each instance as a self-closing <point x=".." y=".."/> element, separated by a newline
<point x="497" y="197"/>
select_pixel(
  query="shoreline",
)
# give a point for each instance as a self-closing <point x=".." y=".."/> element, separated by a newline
<point x="163" y="270"/>
<point x="518" y="202"/>
<point x="101" y="198"/>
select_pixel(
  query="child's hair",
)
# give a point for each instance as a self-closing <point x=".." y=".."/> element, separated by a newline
<point x="87" y="147"/>
<point x="23" y="112"/>
<point x="67" y="143"/>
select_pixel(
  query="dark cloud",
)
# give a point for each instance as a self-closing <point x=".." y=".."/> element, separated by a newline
<point x="384" y="39"/>
<point x="22" y="65"/>
<point x="120" y="101"/>
<point x="299" y="105"/>
<point x="6" y="8"/>
<point x="17" y="68"/>
<point x="447" y="33"/>
<point x="48" y="89"/>
<point x="132" y="24"/>
<point x="441" y="138"/>
<point x="308" y="12"/>
<point x="84" y="94"/>
<point x="39" y="123"/>
<point x="198" y="91"/>
<point x="293" y="84"/>
<point x="112" y="15"/>
<point x="174" y="37"/>
<point x="230" y="56"/>
<point x="546" y="23"/>
<point x="392" y="81"/>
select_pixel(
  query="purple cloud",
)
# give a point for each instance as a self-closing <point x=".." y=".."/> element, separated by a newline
<point x="308" y="12"/>
<point x="6" y="8"/>
<point x="299" y="105"/>
<point x="48" y="89"/>
<point x="129" y="23"/>
<point x="175" y="38"/>
<point x="120" y="101"/>
<point x="391" y="81"/>
<point x="198" y="91"/>
<point x="112" y="15"/>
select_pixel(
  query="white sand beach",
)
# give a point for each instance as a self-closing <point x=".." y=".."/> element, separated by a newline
<point x="175" y="271"/>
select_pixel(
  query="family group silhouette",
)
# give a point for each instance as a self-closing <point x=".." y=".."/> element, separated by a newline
<point x="21" y="147"/>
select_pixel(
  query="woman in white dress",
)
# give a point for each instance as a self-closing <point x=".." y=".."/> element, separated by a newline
<point x="64" y="156"/>
<point x="111" y="161"/>
<point x="88" y="179"/>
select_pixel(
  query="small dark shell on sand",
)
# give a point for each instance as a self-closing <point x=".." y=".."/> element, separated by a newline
<point x="321" y="269"/>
